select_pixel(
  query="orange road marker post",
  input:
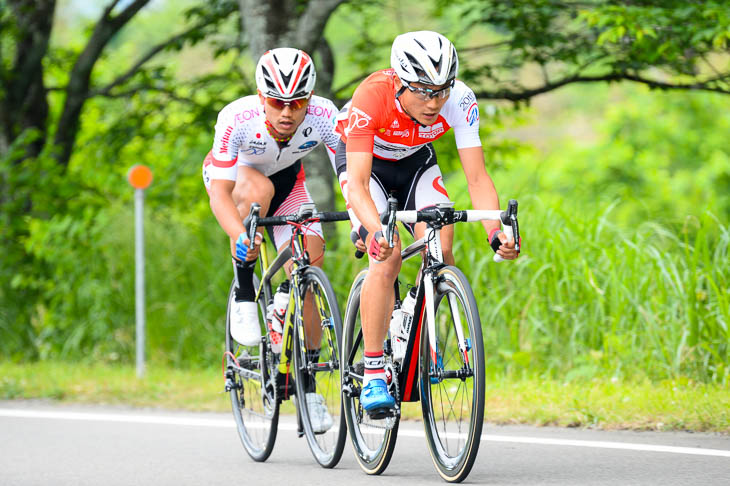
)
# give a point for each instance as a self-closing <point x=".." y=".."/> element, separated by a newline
<point x="140" y="177"/>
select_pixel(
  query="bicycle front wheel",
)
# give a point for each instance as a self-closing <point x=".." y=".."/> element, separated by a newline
<point x="251" y="382"/>
<point x="373" y="440"/>
<point x="317" y="366"/>
<point x="452" y="377"/>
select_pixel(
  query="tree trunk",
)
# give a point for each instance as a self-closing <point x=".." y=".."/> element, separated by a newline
<point x="23" y="103"/>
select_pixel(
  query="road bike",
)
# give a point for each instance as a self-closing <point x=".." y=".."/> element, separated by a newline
<point x="443" y="364"/>
<point x="258" y="378"/>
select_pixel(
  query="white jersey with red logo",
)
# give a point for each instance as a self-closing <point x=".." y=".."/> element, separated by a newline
<point x="374" y="121"/>
<point x="241" y="138"/>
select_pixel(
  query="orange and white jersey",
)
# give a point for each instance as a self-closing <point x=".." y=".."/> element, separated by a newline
<point x="374" y="121"/>
<point x="241" y="138"/>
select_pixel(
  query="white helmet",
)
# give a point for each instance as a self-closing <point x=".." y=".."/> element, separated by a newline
<point x="424" y="57"/>
<point x="285" y="73"/>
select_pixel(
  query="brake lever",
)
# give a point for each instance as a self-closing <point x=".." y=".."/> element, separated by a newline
<point x="251" y="224"/>
<point x="392" y="208"/>
<point x="512" y="214"/>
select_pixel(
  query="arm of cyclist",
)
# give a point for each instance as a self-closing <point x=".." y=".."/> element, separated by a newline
<point x="359" y="166"/>
<point x="225" y="211"/>
<point x="484" y="196"/>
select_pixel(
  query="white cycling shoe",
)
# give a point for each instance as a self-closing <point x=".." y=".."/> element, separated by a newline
<point x="245" y="327"/>
<point x="321" y="418"/>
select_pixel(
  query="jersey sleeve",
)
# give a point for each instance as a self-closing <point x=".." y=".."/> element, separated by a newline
<point x="362" y="122"/>
<point x="463" y="116"/>
<point x="327" y="133"/>
<point x="224" y="154"/>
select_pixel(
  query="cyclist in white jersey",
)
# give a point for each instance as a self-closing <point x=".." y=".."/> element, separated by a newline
<point x="256" y="157"/>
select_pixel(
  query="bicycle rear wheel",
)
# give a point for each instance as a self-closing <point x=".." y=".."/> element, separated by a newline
<point x="372" y="440"/>
<point x="317" y="366"/>
<point x="251" y="382"/>
<point x="452" y="377"/>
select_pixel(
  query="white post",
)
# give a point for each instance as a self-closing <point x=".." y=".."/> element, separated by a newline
<point x="139" y="278"/>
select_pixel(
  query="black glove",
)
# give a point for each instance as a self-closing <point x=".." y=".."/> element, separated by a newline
<point x="494" y="240"/>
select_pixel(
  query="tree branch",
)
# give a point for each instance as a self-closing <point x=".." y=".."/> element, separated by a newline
<point x="310" y="26"/>
<point x="142" y="88"/>
<point x="354" y="80"/>
<point x="149" y="55"/>
<point x="77" y="90"/>
<point x="526" y="95"/>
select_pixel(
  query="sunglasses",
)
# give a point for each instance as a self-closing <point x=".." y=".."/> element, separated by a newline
<point x="425" y="94"/>
<point x="295" y="105"/>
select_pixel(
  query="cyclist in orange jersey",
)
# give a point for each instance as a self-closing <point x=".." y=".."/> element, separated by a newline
<point x="386" y="132"/>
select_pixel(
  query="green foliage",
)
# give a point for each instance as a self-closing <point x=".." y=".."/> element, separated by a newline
<point x="593" y="40"/>
<point x="625" y="267"/>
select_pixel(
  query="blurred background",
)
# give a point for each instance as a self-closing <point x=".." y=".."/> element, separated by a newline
<point x="607" y="120"/>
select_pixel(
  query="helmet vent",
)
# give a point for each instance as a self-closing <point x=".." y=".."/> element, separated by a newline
<point x="286" y="77"/>
<point x="420" y="72"/>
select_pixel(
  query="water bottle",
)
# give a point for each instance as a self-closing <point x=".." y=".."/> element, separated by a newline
<point x="400" y="325"/>
<point x="275" y="314"/>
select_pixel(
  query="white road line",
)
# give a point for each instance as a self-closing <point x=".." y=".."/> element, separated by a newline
<point x="203" y="422"/>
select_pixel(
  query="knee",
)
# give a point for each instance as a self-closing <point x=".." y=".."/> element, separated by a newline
<point x="247" y="192"/>
<point x="388" y="270"/>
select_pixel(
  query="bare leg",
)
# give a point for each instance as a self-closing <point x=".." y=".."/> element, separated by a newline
<point x="377" y="298"/>
<point x="251" y="187"/>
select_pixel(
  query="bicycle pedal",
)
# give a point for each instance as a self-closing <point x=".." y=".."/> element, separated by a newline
<point x="381" y="413"/>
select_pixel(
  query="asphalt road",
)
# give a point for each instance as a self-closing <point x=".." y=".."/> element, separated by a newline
<point x="44" y="444"/>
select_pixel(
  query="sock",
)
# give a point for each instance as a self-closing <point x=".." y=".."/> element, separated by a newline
<point x="373" y="367"/>
<point x="244" y="280"/>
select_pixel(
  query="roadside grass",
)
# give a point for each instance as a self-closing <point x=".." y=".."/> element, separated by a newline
<point x="679" y="404"/>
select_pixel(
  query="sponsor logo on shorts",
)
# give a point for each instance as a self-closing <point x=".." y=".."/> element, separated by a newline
<point x="308" y="145"/>
<point x="438" y="184"/>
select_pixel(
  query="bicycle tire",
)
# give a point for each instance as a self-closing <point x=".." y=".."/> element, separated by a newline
<point x="372" y="444"/>
<point x="254" y="402"/>
<point x="453" y="447"/>
<point x="326" y="445"/>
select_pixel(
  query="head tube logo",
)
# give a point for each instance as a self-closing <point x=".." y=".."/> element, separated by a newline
<point x="307" y="145"/>
<point x="472" y="115"/>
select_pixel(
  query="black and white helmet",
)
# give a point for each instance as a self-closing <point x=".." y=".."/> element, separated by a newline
<point x="285" y="73"/>
<point x="424" y="57"/>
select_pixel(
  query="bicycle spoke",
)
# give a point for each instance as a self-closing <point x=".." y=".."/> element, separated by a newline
<point x="450" y="406"/>
<point x="317" y="367"/>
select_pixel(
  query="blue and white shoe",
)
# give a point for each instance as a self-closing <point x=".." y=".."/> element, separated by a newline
<point x="375" y="398"/>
